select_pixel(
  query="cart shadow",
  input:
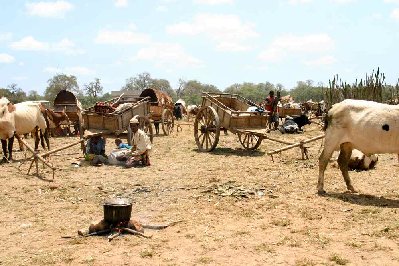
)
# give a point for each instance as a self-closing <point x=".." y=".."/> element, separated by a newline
<point x="365" y="199"/>
<point x="234" y="152"/>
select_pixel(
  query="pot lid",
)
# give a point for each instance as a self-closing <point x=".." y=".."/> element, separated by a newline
<point x="118" y="202"/>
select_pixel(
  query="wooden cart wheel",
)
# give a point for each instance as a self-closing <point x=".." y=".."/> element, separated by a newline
<point x="249" y="141"/>
<point x="146" y="126"/>
<point x="207" y="129"/>
<point x="167" y="121"/>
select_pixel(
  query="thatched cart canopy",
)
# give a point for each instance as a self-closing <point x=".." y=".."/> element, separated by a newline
<point x="66" y="100"/>
<point x="158" y="97"/>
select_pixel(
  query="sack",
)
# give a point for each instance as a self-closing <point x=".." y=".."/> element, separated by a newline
<point x="116" y="155"/>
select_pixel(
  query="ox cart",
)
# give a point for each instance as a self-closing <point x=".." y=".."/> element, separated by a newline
<point x="229" y="112"/>
<point x="161" y="109"/>
<point x="113" y="117"/>
<point x="67" y="101"/>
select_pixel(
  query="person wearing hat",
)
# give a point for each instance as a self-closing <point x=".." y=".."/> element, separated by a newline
<point x="141" y="146"/>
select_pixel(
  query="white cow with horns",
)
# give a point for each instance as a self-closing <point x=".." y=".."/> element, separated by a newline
<point x="21" y="118"/>
<point x="370" y="127"/>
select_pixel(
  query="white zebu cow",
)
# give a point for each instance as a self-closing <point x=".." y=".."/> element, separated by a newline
<point x="21" y="118"/>
<point x="356" y="124"/>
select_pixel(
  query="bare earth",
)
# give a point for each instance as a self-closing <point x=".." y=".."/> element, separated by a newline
<point x="237" y="208"/>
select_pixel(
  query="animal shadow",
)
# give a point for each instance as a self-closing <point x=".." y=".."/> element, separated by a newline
<point x="235" y="152"/>
<point x="365" y="199"/>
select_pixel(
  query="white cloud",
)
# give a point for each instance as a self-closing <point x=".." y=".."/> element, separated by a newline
<point x="392" y="1"/>
<point x="213" y="2"/>
<point x="6" y="58"/>
<point x="395" y="14"/>
<point x="295" y="2"/>
<point x="67" y="46"/>
<point x="55" y="9"/>
<point x="167" y="55"/>
<point x="121" y="3"/>
<point x="6" y="36"/>
<point x="76" y="70"/>
<point x="290" y="44"/>
<point x="343" y="1"/>
<point x="30" y="44"/>
<point x="121" y="37"/>
<point x="324" y="60"/>
<point x="228" y="31"/>
<point x="162" y="8"/>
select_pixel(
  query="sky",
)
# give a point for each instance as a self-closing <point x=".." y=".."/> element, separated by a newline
<point x="218" y="42"/>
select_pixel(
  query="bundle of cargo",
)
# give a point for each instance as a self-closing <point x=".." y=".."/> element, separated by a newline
<point x="104" y="108"/>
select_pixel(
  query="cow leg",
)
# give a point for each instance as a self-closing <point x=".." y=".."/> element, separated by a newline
<point x="4" y="147"/>
<point x="343" y="160"/>
<point x="36" y="134"/>
<point x="323" y="162"/>
<point x="20" y="144"/>
<point x="46" y="137"/>
<point x="42" y="140"/>
<point x="10" y="145"/>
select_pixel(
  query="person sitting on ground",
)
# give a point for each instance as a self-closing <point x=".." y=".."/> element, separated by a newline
<point x="95" y="150"/>
<point x="141" y="146"/>
<point x="121" y="145"/>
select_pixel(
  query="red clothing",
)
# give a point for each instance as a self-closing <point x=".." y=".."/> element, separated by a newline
<point x="270" y="102"/>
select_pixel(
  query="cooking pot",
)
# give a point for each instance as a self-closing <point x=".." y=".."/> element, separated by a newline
<point x="117" y="210"/>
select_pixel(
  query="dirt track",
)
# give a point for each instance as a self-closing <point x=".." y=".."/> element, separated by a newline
<point x="237" y="208"/>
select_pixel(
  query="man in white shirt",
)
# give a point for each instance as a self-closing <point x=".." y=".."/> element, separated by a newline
<point x="141" y="146"/>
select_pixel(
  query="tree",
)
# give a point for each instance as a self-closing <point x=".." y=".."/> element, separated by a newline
<point x="163" y="85"/>
<point x="34" y="96"/>
<point x="61" y="82"/>
<point x="17" y="95"/>
<point x="141" y="82"/>
<point x="305" y="91"/>
<point x="94" y="88"/>
<point x="192" y="91"/>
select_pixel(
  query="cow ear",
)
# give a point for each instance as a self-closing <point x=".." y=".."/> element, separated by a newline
<point x="11" y="107"/>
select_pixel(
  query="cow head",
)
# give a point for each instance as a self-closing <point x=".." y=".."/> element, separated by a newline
<point x="7" y="122"/>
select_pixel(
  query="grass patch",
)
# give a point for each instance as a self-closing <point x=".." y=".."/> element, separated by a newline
<point x="204" y="260"/>
<point x="305" y="262"/>
<point x="146" y="253"/>
<point x="264" y="247"/>
<point x="281" y="222"/>
<point x="338" y="259"/>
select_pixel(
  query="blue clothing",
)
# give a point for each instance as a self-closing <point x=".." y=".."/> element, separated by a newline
<point x="124" y="146"/>
<point x="94" y="147"/>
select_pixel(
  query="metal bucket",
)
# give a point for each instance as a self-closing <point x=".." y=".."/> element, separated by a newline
<point x="117" y="210"/>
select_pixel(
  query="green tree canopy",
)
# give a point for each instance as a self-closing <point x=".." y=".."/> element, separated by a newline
<point x="255" y="92"/>
<point x="192" y="91"/>
<point x="94" y="88"/>
<point x="61" y="82"/>
<point x="305" y="90"/>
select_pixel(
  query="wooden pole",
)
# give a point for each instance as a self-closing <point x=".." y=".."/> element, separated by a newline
<point x="36" y="155"/>
<point x="61" y="148"/>
<point x="295" y="145"/>
<point x="280" y="141"/>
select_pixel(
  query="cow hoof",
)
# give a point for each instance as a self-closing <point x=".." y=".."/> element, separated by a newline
<point x="321" y="192"/>
<point x="4" y="160"/>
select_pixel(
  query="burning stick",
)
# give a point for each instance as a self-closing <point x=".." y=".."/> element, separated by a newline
<point x="134" y="232"/>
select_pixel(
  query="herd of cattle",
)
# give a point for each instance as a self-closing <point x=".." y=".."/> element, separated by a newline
<point x="350" y="126"/>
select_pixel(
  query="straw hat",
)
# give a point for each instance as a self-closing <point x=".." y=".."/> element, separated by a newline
<point x="134" y="120"/>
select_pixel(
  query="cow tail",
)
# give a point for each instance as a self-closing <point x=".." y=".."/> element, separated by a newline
<point x="325" y="120"/>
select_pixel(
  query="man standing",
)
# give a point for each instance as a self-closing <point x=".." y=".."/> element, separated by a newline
<point x="271" y="107"/>
<point x="141" y="146"/>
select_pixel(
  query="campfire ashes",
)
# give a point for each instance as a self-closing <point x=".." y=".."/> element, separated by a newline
<point x="117" y="214"/>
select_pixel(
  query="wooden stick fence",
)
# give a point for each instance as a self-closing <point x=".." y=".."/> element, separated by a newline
<point x="299" y="144"/>
<point x="40" y="157"/>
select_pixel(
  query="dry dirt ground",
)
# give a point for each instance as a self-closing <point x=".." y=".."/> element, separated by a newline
<point x="237" y="208"/>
